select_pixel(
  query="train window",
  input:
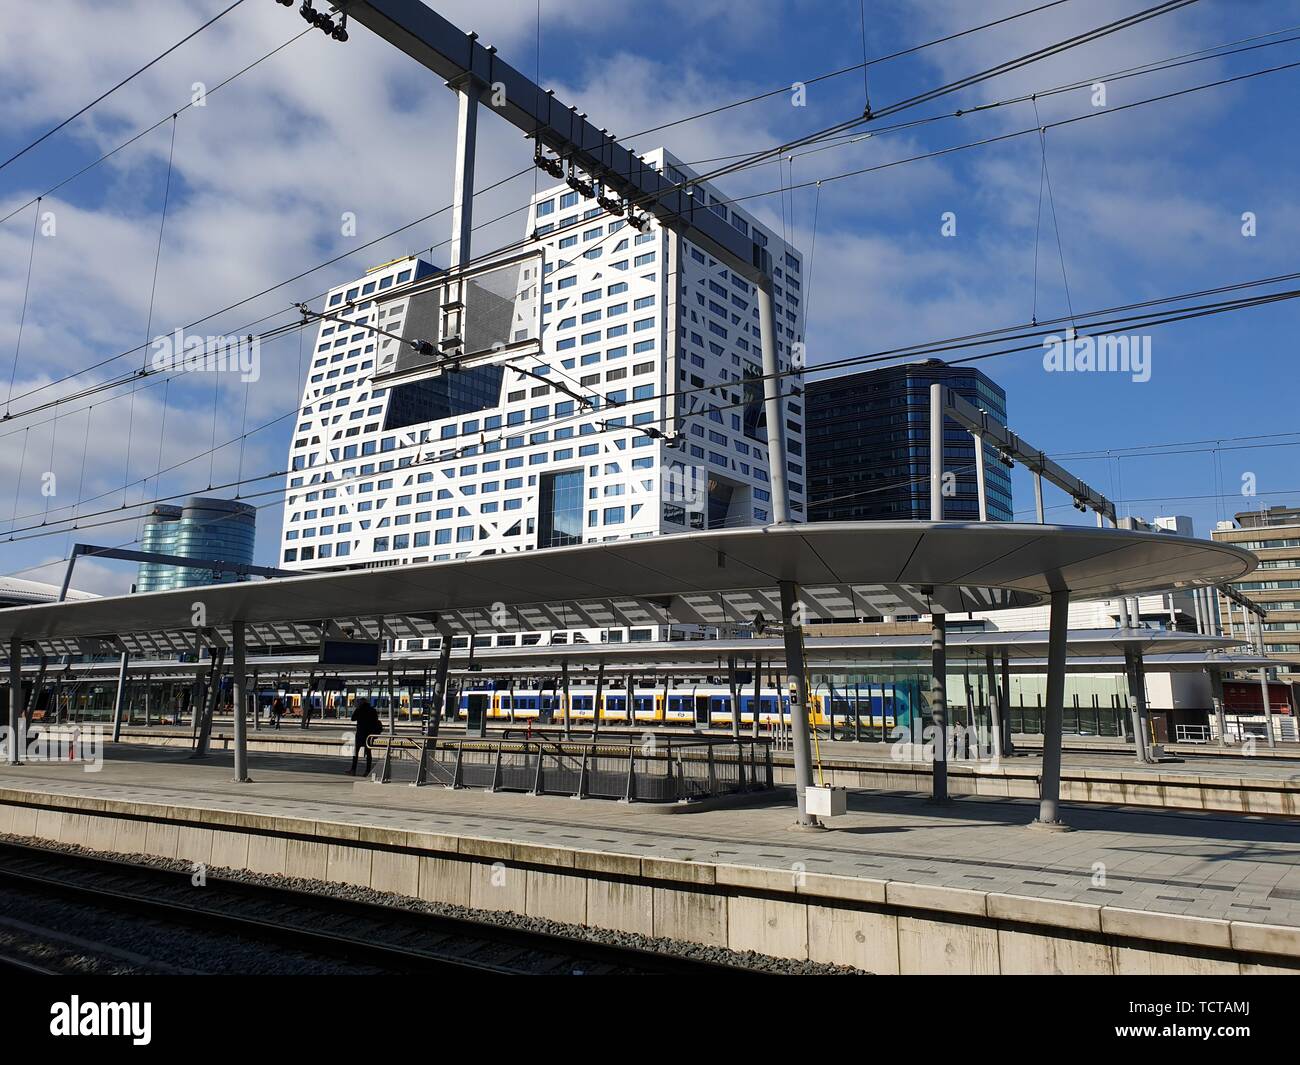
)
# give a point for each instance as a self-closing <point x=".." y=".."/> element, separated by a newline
<point x="559" y="637"/>
<point x="507" y="640"/>
<point x="530" y="639"/>
<point x="641" y="635"/>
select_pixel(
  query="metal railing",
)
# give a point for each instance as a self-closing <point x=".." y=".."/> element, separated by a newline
<point x="657" y="769"/>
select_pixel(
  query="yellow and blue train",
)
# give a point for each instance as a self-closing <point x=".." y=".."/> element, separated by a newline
<point x="703" y="706"/>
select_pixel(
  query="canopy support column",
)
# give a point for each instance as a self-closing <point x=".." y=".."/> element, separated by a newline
<point x="938" y="704"/>
<point x="15" y="697"/>
<point x="1138" y="699"/>
<point x="239" y="700"/>
<point x="120" y="697"/>
<point x="995" y="708"/>
<point x="1050" y="794"/>
<point x="794" y="668"/>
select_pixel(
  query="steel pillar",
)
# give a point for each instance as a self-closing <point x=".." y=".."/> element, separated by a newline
<point x="121" y="696"/>
<point x="1216" y="694"/>
<point x="1050" y="794"/>
<point x="939" y="704"/>
<point x="1138" y="698"/>
<point x="1039" y="515"/>
<point x="439" y="687"/>
<point x="568" y="705"/>
<point x="15" y="698"/>
<point x="1004" y="697"/>
<point x="238" y="700"/>
<point x="773" y="405"/>
<point x="462" y="204"/>
<point x="981" y="486"/>
<point x="936" y="451"/>
<point x="735" y="696"/>
<point x="995" y="707"/>
<point x="794" y="668"/>
<point x="595" y="699"/>
<point x="1263" y="677"/>
<point x="758" y="693"/>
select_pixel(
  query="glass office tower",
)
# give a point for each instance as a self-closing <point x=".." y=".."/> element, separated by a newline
<point x="218" y="530"/>
<point x="868" y="437"/>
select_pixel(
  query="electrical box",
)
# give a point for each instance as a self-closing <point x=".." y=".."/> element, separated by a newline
<point x="826" y="801"/>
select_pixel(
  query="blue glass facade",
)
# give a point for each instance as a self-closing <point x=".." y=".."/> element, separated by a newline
<point x="220" y="530"/>
<point x="560" y="509"/>
<point x="869" y="445"/>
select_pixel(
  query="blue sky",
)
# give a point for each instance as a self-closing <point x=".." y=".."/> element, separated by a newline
<point x="1148" y="202"/>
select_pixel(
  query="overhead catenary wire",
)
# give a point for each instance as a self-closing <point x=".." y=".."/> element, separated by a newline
<point x="670" y="419"/>
<point x="1008" y="66"/>
<point x="162" y="121"/>
<point x="125" y="81"/>
<point x="426" y="218"/>
<point x="907" y="51"/>
<point x="153" y="293"/>
<point x="22" y="317"/>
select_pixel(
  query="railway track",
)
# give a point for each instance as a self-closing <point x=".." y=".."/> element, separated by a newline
<point x="367" y="935"/>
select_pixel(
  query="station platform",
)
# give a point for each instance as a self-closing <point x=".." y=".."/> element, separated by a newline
<point x="897" y="885"/>
<point x="1093" y="770"/>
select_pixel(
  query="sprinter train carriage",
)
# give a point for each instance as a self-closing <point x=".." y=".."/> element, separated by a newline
<point x="702" y="706"/>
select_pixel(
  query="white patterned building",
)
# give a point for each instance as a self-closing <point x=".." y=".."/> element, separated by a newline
<point x="639" y="334"/>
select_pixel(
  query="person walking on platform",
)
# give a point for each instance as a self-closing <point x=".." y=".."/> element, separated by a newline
<point x="277" y="712"/>
<point x="368" y="724"/>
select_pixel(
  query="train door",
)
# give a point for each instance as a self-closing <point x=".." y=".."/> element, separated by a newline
<point x="702" y="710"/>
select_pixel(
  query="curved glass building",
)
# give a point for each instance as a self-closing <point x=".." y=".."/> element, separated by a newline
<point x="217" y="530"/>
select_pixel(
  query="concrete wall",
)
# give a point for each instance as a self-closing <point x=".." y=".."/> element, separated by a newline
<point x="882" y="926"/>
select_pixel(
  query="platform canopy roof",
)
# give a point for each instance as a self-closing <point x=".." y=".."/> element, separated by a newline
<point x="1099" y="650"/>
<point x="843" y="569"/>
